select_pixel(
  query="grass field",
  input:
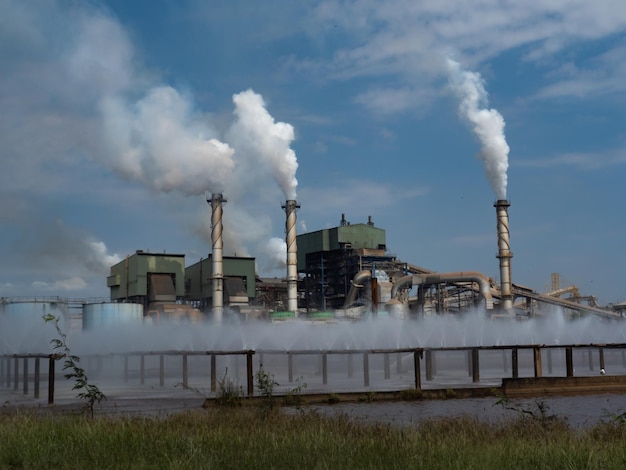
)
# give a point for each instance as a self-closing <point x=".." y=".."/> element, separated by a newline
<point x="254" y="437"/>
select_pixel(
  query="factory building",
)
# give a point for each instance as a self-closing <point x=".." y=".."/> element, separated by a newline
<point x="157" y="282"/>
<point x="164" y="287"/>
<point x="329" y="259"/>
<point x="239" y="282"/>
<point x="144" y="278"/>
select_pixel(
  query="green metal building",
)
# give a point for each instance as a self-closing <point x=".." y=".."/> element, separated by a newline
<point x="346" y="236"/>
<point x="239" y="281"/>
<point x="148" y="277"/>
<point x="329" y="259"/>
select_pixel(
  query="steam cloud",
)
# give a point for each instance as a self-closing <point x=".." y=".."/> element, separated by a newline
<point x="488" y="125"/>
<point x="79" y="65"/>
<point x="277" y="248"/>
<point x="160" y="143"/>
<point x="260" y="136"/>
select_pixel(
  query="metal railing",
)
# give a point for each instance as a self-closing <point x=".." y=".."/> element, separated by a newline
<point x="15" y="372"/>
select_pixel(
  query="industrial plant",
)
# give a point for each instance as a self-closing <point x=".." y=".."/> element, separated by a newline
<point x="332" y="274"/>
<point x="344" y="299"/>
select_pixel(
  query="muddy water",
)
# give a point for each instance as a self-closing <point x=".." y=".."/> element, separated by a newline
<point x="579" y="411"/>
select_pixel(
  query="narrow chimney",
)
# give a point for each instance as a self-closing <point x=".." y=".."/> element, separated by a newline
<point x="216" y="202"/>
<point x="292" y="253"/>
<point x="504" y="254"/>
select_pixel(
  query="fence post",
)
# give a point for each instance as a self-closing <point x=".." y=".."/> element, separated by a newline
<point x="569" y="361"/>
<point x="37" y="378"/>
<point x="366" y="370"/>
<point x="213" y="373"/>
<point x="185" y="372"/>
<point x="250" y="374"/>
<point x="537" y="361"/>
<point x="601" y="354"/>
<point x="416" y="369"/>
<point x="429" y="364"/>
<point x="515" y="362"/>
<point x="51" y="379"/>
<point x="325" y="368"/>
<point x="475" y="365"/>
<point x="290" y="366"/>
<point x="25" y="380"/>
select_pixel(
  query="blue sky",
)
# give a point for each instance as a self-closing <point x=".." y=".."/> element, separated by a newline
<point x="116" y="117"/>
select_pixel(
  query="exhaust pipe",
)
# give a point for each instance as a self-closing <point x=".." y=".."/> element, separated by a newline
<point x="504" y="254"/>
<point x="216" y="202"/>
<point x="290" y="207"/>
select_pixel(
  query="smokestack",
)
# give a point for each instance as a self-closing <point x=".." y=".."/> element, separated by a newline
<point x="216" y="202"/>
<point x="292" y="252"/>
<point x="504" y="254"/>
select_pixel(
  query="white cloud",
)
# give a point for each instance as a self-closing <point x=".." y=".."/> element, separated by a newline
<point x="360" y="197"/>
<point x="408" y="40"/>
<point x="72" y="284"/>
<point x="393" y="100"/>
<point x="584" y="161"/>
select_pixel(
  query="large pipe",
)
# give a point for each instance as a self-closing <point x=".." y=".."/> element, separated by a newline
<point x="437" y="278"/>
<point x="292" y="255"/>
<point x="216" y="202"/>
<point x="356" y="283"/>
<point x="504" y="254"/>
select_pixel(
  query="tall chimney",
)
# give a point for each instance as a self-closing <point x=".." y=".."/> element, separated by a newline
<point x="216" y="202"/>
<point x="292" y="253"/>
<point x="504" y="254"/>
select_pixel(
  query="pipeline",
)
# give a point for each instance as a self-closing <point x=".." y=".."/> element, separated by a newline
<point x="436" y="278"/>
<point x="355" y="284"/>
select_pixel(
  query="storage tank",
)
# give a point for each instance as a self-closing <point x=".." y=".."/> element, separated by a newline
<point x="111" y="314"/>
<point x="23" y="328"/>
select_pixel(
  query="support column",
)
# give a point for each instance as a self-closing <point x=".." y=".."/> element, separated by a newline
<point x="416" y="370"/>
<point x="537" y="361"/>
<point x="475" y="365"/>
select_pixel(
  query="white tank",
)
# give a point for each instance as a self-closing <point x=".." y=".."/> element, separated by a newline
<point x="111" y="314"/>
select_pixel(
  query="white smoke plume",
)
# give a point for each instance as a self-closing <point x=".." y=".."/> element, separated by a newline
<point x="277" y="250"/>
<point x="162" y="144"/>
<point x="255" y="135"/>
<point x="488" y="125"/>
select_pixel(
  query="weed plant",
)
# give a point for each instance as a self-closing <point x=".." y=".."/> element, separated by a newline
<point x="240" y="438"/>
<point x="228" y="393"/>
<point x="87" y="391"/>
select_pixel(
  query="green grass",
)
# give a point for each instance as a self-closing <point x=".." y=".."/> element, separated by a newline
<point x="243" y="438"/>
